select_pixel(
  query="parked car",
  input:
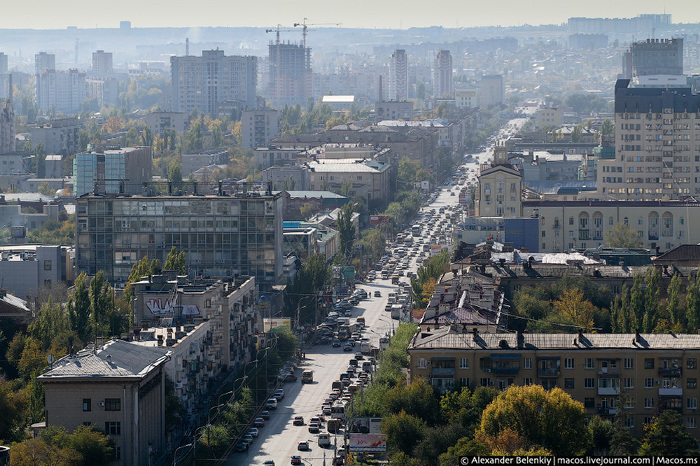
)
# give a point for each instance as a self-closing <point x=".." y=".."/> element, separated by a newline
<point x="271" y="403"/>
<point x="279" y="394"/>
<point x="259" y="421"/>
<point x="265" y="414"/>
<point x="290" y="378"/>
<point x="241" y="447"/>
<point x="253" y="431"/>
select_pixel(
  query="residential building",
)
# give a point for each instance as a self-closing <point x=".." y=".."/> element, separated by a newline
<point x="393" y="110"/>
<point x="53" y="166"/>
<point x="549" y="116"/>
<point x="500" y="188"/>
<point x="286" y="177"/>
<point x="3" y="63"/>
<point x="193" y="162"/>
<point x="299" y="241"/>
<point x="588" y="41"/>
<point x="203" y="82"/>
<point x="220" y="235"/>
<point x="491" y="90"/>
<point x="657" y="141"/>
<point x="365" y="178"/>
<point x="7" y="127"/>
<point x="102" y="63"/>
<point x="20" y="219"/>
<point x="266" y="157"/>
<point x="398" y="75"/>
<point x="290" y="77"/>
<point x="118" y="387"/>
<point x="160" y="122"/>
<point x="466" y="98"/>
<point x="315" y="201"/>
<point x="44" y="62"/>
<point x="26" y="268"/>
<point x="104" y="91"/>
<point x="58" y="135"/>
<point x="630" y="377"/>
<point x="259" y="127"/>
<point x="442" y="74"/>
<point x="112" y="171"/>
<point x="60" y="91"/>
<point x="657" y="57"/>
<point x="15" y="309"/>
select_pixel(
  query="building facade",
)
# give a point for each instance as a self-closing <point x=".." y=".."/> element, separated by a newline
<point x="500" y="188"/>
<point x="466" y="98"/>
<point x="102" y="63"/>
<point x="203" y="82"/>
<point x="365" y="178"/>
<point x="60" y="91"/>
<point x="393" y="110"/>
<point x="259" y="127"/>
<point x="160" y="122"/>
<point x="27" y="268"/>
<point x="633" y="376"/>
<point x="58" y="135"/>
<point x="442" y="74"/>
<point x="220" y="235"/>
<point x="104" y="91"/>
<point x="3" y="63"/>
<point x="657" y="57"/>
<point x="398" y="75"/>
<point x="112" y="171"/>
<point x="119" y="387"/>
<point x="290" y="77"/>
<point x="7" y="127"/>
<point x="44" y="62"/>
<point x="492" y="90"/>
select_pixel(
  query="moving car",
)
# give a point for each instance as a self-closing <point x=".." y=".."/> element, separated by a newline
<point x="303" y="446"/>
<point x="298" y="421"/>
<point x="314" y="428"/>
<point x="296" y="459"/>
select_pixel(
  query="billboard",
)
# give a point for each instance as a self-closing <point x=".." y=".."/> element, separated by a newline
<point x="271" y="324"/>
<point x="367" y="442"/>
<point x="378" y="219"/>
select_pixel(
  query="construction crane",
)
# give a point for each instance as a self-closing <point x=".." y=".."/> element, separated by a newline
<point x="278" y="30"/>
<point x="304" y="25"/>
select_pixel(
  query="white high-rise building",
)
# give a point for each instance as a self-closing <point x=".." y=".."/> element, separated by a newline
<point x="202" y="82"/>
<point x="61" y="91"/>
<point x="291" y="80"/>
<point x="44" y="61"/>
<point x="398" y="75"/>
<point x="442" y="74"/>
<point x="102" y="63"/>
<point x="3" y="63"/>
<point x="258" y="127"/>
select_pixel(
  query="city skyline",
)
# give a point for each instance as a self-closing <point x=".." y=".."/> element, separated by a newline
<point x="391" y="14"/>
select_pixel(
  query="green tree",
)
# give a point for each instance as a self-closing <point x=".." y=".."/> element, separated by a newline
<point x="576" y="133"/>
<point x="346" y="230"/>
<point x="666" y="436"/>
<point x="608" y="127"/>
<point x="176" y="261"/>
<point x="417" y="399"/>
<point x="622" y="236"/>
<point x="549" y="419"/>
<point x="601" y="431"/>
<point x="79" y="309"/>
<point x="13" y="406"/>
<point x="403" y="431"/>
<point x="101" y="303"/>
<point x="36" y="452"/>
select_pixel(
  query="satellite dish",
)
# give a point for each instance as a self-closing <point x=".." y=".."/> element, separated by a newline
<point x="50" y="359"/>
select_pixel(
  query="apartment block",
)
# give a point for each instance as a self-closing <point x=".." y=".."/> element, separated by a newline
<point x="118" y="388"/>
<point x="657" y="143"/>
<point x="290" y="77"/>
<point x="500" y="188"/>
<point x="27" y="268"/>
<point x="102" y="63"/>
<point x="442" y="74"/>
<point x="466" y="98"/>
<point x="365" y="178"/>
<point x="657" y="57"/>
<point x="105" y="91"/>
<point x="112" y="171"/>
<point x="631" y="376"/>
<point x="203" y="82"/>
<point x="221" y="235"/>
<point x="44" y="62"/>
<point x="58" y="135"/>
<point x="492" y="90"/>
<point x="7" y="127"/>
<point x="259" y="127"/>
<point x="3" y="63"/>
<point x="398" y="75"/>
<point x="160" y="122"/>
<point x="60" y="91"/>
<point x="393" y="110"/>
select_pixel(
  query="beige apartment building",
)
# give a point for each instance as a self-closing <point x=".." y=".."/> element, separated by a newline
<point x="118" y="388"/>
<point x="634" y="376"/>
<point x="500" y="188"/>
<point x="365" y="178"/>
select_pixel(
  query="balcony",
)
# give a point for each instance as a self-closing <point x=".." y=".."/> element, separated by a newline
<point x="607" y="411"/>
<point x="549" y="372"/>
<point x="671" y="391"/>
<point x="609" y="371"/>
<point x="584" y="234"/>
<point x="670" y="371"/>
<point x="506" y="370"/>
<point x="557" y="225"/>
<point x="443" y="371"/>
<point x="653" y="237"/>
<point x="607" y="391"/>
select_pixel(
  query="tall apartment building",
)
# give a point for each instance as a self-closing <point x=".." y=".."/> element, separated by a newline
<point x="119" y="387"/>
<point x="7" y="127"/>
<point x="442" y="74"/>
<point x="657" y="142"/>
<point x="58" y="135"/>
<point x="491" y="90"/>
<point x="105" y="91"/>
<point x="60" y="91"/>
<point x="160" y="122"/>
<point x="630" y="376"/>
<point x="112" y="171"/>
<point x="291" y="79"/>
<point x="44" y="62"/>
<point x="657" y="57"/>
<point x="3" y="63"/>
<point x="220" y="235"/>
<point x="102" y="63"/>
<point x="259" y="127"/>
<point x="398" y="75"/>
<point x="203" y="82"/>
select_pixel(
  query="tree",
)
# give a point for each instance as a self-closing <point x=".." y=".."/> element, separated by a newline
<point x="549" y="419"/>
<point x="666" y="436"/>
<point x="403" y="431"/>
<point x="79" y="309"/>
<point x="608" y="127"/>
<point x="13" y="406"/>
<point x="101" y="303"/>
<point x="176" y="261"/>
<point x="306" y="210"/>
<point x="573" y="306"/>
<point x="36" y="452"/>
<point x="417" y="399"/>
<point x="576" y="133"/>
<point x="602" y="431"/>
<point x="622" y="236"/>
<point x="346" y="230"/>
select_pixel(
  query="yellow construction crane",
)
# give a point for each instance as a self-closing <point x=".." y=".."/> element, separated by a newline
<point x="278" y="30"/>
<point x="304" y="25"/>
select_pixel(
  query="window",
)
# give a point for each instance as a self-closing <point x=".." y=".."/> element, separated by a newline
<point x="629" y="363"/>
<point x="484" y="382"/>
<point x="117" y="453"/>
<point x="629" y="422"/>
<point x="87" y="404"/>
<point x="692" y="422"/>
<point x="87" y="423"/>
<point x="648" y="403"/>
<point x="569" y="383"/>
<point x="527" y="363"/>
<point x="691" y="403"/>
<point x="648" y="363"/>
<point x="571" y="220"/>
<point x="629" y="382"/>
<point x="464" y="381"/>
<point x="629" y="403"/>
<point x="589" y="363"/>
<point x="692" y="382"/>
<point x="569" y="363"/>
<point x="113" y="428"/>
<point x="113" y="404"/>
<point x="47" y="265"/>
<point x="648" y="419"/>
<point x="589" y="402"/>
<point x="691" y="363"/>
<point x="589" y="382"/>
<point x="421" y="363"/>
<point x="649" y="382"/>
<point x="464" y="363"/>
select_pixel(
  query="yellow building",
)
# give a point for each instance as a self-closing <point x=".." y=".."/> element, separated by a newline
<point x="635" y="376"/>
<point x="500" y="188"/>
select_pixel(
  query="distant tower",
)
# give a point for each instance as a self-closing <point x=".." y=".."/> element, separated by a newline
<point x="398" y="70"/>
<point x="3" y="63"/>
<point x="44" y="62"/>
<point x="442" y="74"/>
<point x="102" y="63"/>
<point x="500" y="154"/>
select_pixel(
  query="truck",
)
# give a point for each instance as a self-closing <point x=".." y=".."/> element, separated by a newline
<point x="395" y="279"/>
<point x="396" y="311"/>
<point x="307" y="376"/>
<point x="392" y="297"/>
<point x="383" y="343"/>
<point x="365" y="347"/>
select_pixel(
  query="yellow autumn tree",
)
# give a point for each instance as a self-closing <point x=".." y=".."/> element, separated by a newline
<point x="572" y="305"/>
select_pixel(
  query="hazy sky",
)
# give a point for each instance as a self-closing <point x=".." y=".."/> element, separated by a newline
<point x="58" y="14"/>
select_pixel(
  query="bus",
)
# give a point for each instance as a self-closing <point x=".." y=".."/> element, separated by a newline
<point x="338" y="409"/>
<point x="307" y="376"/>
<point x="415" y="230"/>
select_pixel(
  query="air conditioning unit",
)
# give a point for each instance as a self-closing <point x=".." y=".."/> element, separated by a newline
<point x="102" y="403"/>
<point x="487" y="370"/>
